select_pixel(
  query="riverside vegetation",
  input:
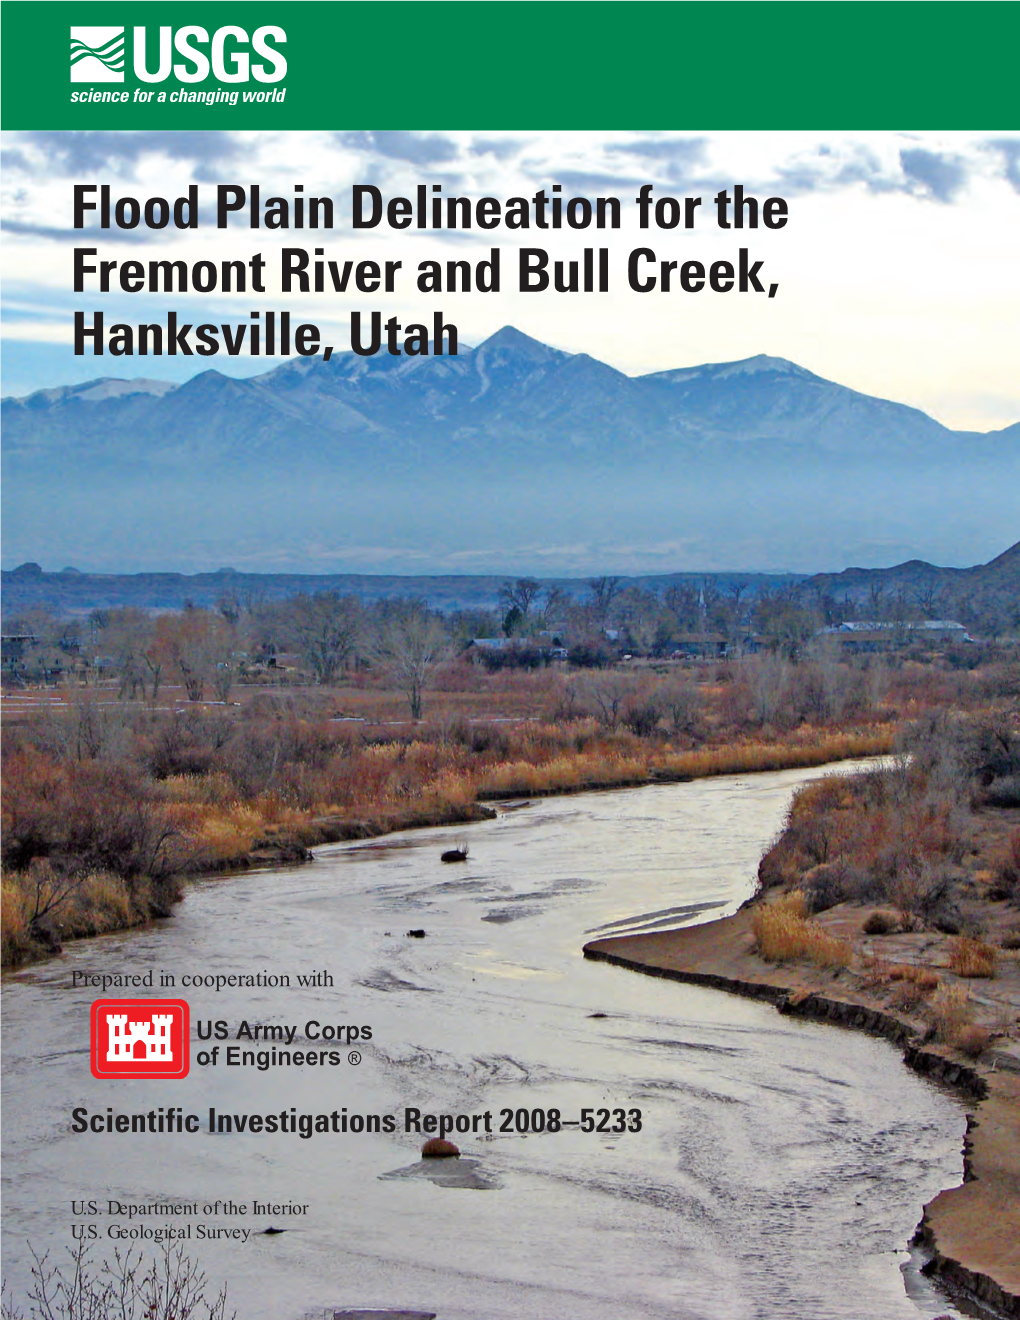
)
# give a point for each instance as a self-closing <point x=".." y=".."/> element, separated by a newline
<point x="126" y="778"/>
<point x="908" y="876"/>
<point x="890" y="902"/>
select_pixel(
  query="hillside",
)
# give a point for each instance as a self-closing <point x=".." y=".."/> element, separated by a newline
<point x="512" y="452"/>
<point x="984" y="589"/>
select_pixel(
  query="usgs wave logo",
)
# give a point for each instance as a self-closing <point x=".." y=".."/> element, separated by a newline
<point x="190" y="54"/>
<point x="97" y="54"/>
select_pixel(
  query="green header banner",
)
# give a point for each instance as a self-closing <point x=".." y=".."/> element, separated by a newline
<point x="510" y="64"/>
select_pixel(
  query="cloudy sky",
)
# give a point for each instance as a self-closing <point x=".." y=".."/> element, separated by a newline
<point x="898" y="272"/>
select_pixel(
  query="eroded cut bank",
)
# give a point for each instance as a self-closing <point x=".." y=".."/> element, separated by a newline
<point x="972" y="1232"/>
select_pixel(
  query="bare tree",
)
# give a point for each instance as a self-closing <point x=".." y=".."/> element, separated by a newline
<point x="556" y="599"/>
<point x="681" y="599"/>
<point x="325" y="630"/>
<point x="735" y="591"/>
<point x="604" y="591"/>
<point x="520" y="594"/>
<point x="516" y="600"/>
<point x="607" y="692"/>
<point x="928" y="601"/>
<point x="124" y="634"/>
<point x="170" y="1287"/>
<point x="412" y="641"/>
<point x="683" y="705"/>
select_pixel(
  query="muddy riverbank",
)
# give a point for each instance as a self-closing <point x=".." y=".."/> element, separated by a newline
<point x="779" y="1164"/>
<point x="971" y="1231"/>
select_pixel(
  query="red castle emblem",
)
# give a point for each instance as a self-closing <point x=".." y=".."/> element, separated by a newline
<point x="140" y="1038"/>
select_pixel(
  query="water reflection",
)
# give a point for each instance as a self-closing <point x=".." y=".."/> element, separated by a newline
<point x="780" y="1167"/>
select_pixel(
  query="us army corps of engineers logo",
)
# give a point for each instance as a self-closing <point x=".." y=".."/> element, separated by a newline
<point x="140" y="1038"/>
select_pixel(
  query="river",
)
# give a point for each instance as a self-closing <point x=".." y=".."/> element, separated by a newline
<point x="778" y="1174"/>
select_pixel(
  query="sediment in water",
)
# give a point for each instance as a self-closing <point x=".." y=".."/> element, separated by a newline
<point x="970" y="1233"/>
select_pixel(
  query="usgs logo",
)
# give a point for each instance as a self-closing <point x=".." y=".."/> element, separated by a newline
<point x="189" y="53"/>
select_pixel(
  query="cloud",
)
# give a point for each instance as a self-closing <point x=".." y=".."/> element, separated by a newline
<point x="501" y="148"/>
<point x="72" y="154"/>
<point x="679" y="156"/>
<point x="395" y="144"/>
<point x="588" y="184"/>
<point x="672" y="149"/>
<point x="1009" y="149"/>
<point x="93" y="235"/>
<point x="941" y="176"/>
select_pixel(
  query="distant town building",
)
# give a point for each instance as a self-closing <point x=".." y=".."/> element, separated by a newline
<point x="882" y="634"/>
<point x="13" y="647"/>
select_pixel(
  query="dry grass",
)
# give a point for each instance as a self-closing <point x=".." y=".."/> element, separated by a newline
<point x="923" y="977"/>
<point x="93" y="904"/>
<point x="783" y="932"/>
<point x="561" y="773"/>
<point x="971" y="957"/>
<point x="812" y="747"/>
<point x="950" y="1010"/>
<point x="907" y="996"/>
<point x="14" y="916"/>
<point x="910" y="983"/>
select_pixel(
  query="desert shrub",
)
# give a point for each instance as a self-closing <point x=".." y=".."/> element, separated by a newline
<point x="927" y="889"/>
<point x="881" y="922"/>
<point x="973" y="1040"/>
<point x="971" y="958"/>
<point x="16" y="942"/>
<point x="181" y="744"/>
<point x="642" y="718"/>
<point x="831" y="883"/>
<point x="1004" y="792"/>
<point x="907" y="996"/>
<point x="522" y="656"/>
<point x="82" y="817"/>
<point x="1011" y="938"/>
<point x="684" y="707"/>
<point x="487" y="739"/>
<point x="1006" y="868"/>
<point x="583" y="656"/>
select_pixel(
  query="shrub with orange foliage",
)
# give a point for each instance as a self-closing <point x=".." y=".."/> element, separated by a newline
<point x="970" y="957"/>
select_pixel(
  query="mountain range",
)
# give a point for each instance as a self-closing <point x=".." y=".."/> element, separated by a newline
<point x="511" y="457"/>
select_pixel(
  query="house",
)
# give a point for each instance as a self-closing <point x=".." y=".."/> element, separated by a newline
<point x="885" y="635"/>
<point x="699" y="646"/>
<point x="13" y="647"/>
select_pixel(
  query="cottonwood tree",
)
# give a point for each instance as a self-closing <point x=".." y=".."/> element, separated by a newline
<point x="516" y="600"/>
<point x="637" y="613"/>
<point x="324" y="630"/>
<point x="604" y="591"/>
<point x="124" y="635"/>
<point x="411" y="642"/>
<point x="199" y="646"/>
<point x="681" y="599"/>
